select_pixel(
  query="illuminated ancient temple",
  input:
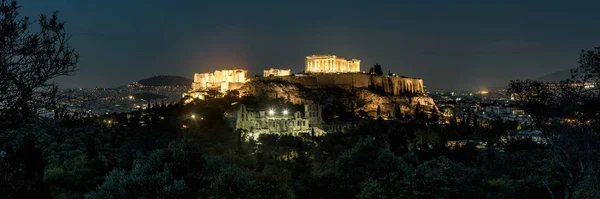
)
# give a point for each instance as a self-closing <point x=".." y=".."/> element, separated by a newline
<point x="222" y="80"/>
<point x="331" y="64"/>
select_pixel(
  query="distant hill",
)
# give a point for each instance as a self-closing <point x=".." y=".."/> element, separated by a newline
<point x="556" y="76"/>
<point x="166" y="80"/>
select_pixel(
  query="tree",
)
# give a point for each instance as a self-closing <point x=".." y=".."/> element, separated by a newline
<point x="29" y="58"/>
<point x="232" y="94"/>
<point x="535" y="97"/>
<point x="213" y="94"/>
<point x="363" y="113"/>
<point x="571" y="146"/>
<point x="377" y="70"/>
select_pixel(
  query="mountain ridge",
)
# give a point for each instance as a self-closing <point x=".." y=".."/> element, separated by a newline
<point x="556" y="76"/>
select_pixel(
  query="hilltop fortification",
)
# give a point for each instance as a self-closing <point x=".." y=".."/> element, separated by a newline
<point x="394" y="85"/>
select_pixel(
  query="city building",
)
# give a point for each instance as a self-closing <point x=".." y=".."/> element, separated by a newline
<point x="331" y="64"/>
<point x="221" y="80"/>
<point x="277" y="72"/>
<point x="280" y="121"/>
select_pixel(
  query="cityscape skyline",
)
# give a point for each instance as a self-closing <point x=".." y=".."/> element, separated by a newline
<point x="453" y="46"/>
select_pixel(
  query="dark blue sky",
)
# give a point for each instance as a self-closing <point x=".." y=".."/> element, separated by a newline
<point x="449" y="45"/>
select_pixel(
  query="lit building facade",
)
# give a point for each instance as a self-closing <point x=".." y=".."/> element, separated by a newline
<point x="277" y="72"/>
<point x="222" y="80"/>
<point x="331" y="64"/>
<point x="280" y="121"/>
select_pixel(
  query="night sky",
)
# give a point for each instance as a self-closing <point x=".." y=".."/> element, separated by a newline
<point x="449" y="45"/>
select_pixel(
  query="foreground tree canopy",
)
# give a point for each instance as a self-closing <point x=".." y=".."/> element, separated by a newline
<point x="32" y="53"/>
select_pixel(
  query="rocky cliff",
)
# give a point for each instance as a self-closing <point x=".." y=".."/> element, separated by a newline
<point x="336" y="97"/>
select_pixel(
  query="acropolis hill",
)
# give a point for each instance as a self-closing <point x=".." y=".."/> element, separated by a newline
<point x="388" y="92"/>
<point x="331" y="70"/>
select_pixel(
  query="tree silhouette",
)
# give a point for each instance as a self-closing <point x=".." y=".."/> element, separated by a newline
<point x="30" y="57"/>
<point x="377" y="70"/>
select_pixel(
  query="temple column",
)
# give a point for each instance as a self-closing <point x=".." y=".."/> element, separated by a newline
<point x="321" y="65"/>
<point x="334" y="66"/>
<point x="331" y="66"/>
<point x="307" y="68"/>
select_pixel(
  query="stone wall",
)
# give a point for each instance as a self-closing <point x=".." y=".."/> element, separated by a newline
<point x="390" y="84"/>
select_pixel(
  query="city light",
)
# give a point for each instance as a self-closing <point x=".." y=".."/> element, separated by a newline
<point x="193" y="116"/>
<point x="271" y="112"/>
<point x="131" y="97"/>
<point x="285" y="112"/>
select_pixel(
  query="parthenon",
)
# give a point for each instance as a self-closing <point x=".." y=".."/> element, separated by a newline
<point x="331" y="64"/>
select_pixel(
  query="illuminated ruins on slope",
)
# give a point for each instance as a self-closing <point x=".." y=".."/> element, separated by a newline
<point x="221" y="80"/>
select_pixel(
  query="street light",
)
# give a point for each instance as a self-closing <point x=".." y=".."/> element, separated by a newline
<point x="193" y="116"/>
<point x="271" y="112"/>
<point x="285" y="112"/>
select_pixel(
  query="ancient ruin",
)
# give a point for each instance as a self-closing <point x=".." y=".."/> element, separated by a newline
<point x="331" y="64"/>
<point x="279" y="120"/>
<point x="221" y="80"/>
<point x="277" y="72"/>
